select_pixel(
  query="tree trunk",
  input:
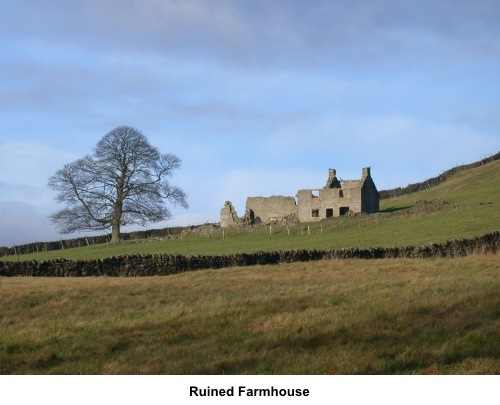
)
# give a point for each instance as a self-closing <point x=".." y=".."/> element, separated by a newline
<point x="117" y="215"/>
<point x="115" y="233"/>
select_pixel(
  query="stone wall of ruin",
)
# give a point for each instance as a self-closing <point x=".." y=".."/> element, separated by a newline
<point x="271" y="209"/>
<point x="327" y="203"/>
<point x="370" y="199"/>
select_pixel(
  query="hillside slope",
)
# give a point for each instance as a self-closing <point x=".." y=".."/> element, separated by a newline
<point x="432" y="182"/>
<point x="468" y="187"/>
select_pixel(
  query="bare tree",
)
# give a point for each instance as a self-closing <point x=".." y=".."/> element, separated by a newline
<point x="124" y="181"/>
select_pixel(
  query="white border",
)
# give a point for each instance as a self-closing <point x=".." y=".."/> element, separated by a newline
<point x="125" y="390"/>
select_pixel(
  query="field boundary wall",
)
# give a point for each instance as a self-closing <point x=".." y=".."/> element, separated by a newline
<point x="167" y="264"/>
<point x="62" y="244"/>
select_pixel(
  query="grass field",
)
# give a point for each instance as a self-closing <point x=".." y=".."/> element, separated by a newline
<point x="331" y="317"/>
<point x="474" y="197"/>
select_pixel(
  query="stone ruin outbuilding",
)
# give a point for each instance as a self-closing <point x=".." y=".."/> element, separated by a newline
<point x="336" y="198"/>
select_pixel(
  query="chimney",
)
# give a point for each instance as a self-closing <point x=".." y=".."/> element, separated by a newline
<point x="332" y="181"/>
<point x="366" y="171"/>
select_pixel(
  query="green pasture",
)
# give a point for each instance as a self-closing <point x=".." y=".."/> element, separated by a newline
<point x="474" y="208"/>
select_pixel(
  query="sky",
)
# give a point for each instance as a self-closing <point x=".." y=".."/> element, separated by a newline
<point x="256" y="97"/>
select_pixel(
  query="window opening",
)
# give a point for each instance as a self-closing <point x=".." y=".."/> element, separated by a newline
<point x="343" y="210"/>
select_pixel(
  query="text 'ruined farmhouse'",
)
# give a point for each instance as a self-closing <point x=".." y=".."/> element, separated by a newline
<point x="337" y="198"/>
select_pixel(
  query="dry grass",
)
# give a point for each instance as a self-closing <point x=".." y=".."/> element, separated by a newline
<point x="331" y="317"/>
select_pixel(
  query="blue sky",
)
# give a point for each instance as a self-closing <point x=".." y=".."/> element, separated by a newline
<point x="256" y="97"/>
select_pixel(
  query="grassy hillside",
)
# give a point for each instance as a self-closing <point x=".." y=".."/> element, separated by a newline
<point x="467" y="188"/>
<point x="474" y="197"/>
<point x="332" y="317"/>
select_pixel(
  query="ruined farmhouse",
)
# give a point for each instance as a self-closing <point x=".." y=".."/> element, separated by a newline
<point x="336" y="198"/>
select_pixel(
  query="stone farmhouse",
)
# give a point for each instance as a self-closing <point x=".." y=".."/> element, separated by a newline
<point x="337" y="198"/>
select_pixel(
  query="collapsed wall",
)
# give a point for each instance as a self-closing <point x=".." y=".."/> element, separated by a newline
<point x="228" y="216"/>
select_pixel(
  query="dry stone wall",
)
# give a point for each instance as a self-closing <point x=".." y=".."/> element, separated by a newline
<point x="157" y="264"/>
<point x="91" y="240"/>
